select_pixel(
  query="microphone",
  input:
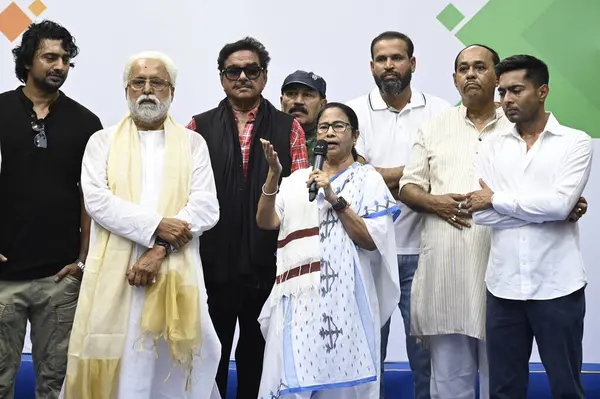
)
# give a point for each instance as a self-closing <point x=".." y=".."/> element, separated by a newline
<point x="320" y="155"/>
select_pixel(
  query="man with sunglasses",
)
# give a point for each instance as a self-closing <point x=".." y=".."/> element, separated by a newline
<point x="44" y="229"/>
<point x="239" y="257"/>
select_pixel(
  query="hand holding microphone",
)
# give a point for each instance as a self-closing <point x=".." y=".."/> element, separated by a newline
<point x="317" y="178"/>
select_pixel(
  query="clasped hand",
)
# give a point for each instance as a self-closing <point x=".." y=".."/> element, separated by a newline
<point x="174" y="231"/>
<point x="144" y="271"/>
<point x="456" y="208"/>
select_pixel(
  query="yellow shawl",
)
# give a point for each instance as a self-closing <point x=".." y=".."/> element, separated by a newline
<point x="171" y="307"/>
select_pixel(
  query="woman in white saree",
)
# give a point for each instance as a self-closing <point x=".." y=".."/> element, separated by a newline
<point x="337" y="279"/>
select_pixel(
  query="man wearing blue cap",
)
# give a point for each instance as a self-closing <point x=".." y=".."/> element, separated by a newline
<point x="303" y="96"/>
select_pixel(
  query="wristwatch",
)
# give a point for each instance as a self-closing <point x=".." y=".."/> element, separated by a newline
<point x="163" y="243"/>
<point x="341" y="205"/>
<point x="80" y="265"/>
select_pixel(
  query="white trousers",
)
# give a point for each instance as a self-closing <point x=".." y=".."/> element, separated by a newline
<point x="455" y="360"/>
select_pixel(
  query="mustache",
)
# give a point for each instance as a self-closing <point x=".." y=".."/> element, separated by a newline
<point x="244" y="83"/>
<point x="56" y="74"/>
<point x="391" y="73"/>
<point x="147" y="97"/>
<point x="298" y="108"/>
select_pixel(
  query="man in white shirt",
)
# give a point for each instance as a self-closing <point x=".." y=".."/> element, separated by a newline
<point x="389" y="117"/>
<point x="532" y="177"/>
<point x="142" y="327"/>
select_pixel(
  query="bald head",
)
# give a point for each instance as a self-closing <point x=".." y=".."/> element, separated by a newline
<point x="494" y="58"/>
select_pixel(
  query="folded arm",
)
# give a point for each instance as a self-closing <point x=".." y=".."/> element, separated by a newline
<point x="488" y="216"/>
<point x="557" y="202"/>
<point x="202" y="209"/>
<point x="492" y="218"/>
<point x="118" y="216"/>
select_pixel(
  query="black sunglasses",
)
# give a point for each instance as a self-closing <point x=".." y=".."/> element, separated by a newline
<point x="40" y="140"/>
<point x="252" y="72"/>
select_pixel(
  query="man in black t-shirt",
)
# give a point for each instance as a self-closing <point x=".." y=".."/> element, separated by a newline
<point x="44" y="229"/>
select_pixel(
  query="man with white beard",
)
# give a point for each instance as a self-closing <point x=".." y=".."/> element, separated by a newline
<point x="142" y="327"/>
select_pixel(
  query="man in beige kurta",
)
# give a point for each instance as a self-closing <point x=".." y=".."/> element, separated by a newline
<point x="448" y="292"/>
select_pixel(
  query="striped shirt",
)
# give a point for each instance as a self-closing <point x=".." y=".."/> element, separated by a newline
<point x="448" y="290"/>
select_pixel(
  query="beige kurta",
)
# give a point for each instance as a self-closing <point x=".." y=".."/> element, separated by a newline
<point x="448" y="290"/>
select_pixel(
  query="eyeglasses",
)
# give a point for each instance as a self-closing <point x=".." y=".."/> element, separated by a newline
<point x="40" y="140"/>
<point x="338" y="127"/>
<point x="156" y="83"/>
<point x="252" y="72"/>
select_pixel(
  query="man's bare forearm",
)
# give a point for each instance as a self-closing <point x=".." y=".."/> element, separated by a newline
<point x="391" y="177"/>
<point x="416" y="198"/>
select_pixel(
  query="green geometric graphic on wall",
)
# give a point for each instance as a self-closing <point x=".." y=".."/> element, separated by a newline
<point x="563" y="33"/>
<point x="450" y="16"/>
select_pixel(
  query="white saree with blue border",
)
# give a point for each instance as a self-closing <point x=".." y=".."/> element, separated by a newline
<point x="323" y="318"/>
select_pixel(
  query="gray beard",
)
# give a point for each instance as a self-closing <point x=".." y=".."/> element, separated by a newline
<point x="148" y="113"/>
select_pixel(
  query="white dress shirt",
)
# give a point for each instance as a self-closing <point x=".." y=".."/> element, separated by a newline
<point x="385" y="141"/>
<point x="535" y="251"/>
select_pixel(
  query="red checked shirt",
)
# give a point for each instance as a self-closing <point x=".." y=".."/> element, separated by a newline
<point x="297" y="142"/>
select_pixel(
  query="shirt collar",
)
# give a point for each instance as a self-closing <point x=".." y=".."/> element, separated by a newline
<point x="417" y="99"/>
<point x="552" y="127"/>
<point x="29" y="104"/>
<point x="311" y="133"/>
<point x="463" y="113"/>
<point x="251" y="114"/>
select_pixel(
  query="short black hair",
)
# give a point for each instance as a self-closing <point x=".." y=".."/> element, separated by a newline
<point x="495" y="56"/>
<point x="536" y="70"/>
<point x="30" y="43"/>
<point x="390" y="35"/>
<point x="350" y="114"/>
<point x="248" y="43"/>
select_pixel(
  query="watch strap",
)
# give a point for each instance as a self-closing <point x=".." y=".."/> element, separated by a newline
<point x="341" y="205"/>
<point x="163" y="243"/>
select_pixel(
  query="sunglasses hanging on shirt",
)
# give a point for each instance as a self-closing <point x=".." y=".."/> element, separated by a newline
<point x="40" y="140"/>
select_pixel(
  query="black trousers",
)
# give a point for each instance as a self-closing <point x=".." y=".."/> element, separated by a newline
<point x="557" y="326"/>
<point x="228" y="304"/>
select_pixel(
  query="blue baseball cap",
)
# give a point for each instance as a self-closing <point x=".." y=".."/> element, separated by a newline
<point x="309" y="79"/>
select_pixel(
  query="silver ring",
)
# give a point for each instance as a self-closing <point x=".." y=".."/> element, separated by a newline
<point x="453" y="218"/>
<point x="460" y="205"/>
<point x="578" y="210"/>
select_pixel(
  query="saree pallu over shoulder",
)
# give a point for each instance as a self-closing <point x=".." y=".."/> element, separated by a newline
<point x="171" y="307"/>
<point x="322" y="332"/>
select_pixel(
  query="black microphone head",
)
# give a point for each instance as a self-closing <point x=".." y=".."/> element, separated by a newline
<point x="321" y="148"/>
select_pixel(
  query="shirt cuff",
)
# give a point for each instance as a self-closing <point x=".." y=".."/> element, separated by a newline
<point x="150" y="231"/>
<point x="502" y="203"/>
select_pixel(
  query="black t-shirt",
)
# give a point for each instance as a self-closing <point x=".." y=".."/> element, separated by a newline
<point x="40" y="207"/>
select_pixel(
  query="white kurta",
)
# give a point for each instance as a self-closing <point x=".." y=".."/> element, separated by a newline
<point x="448" y="290"/>
<point x="147" y="372"/>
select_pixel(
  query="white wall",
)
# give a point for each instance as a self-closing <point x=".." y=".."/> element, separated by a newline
<point x="330" y="38"/>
